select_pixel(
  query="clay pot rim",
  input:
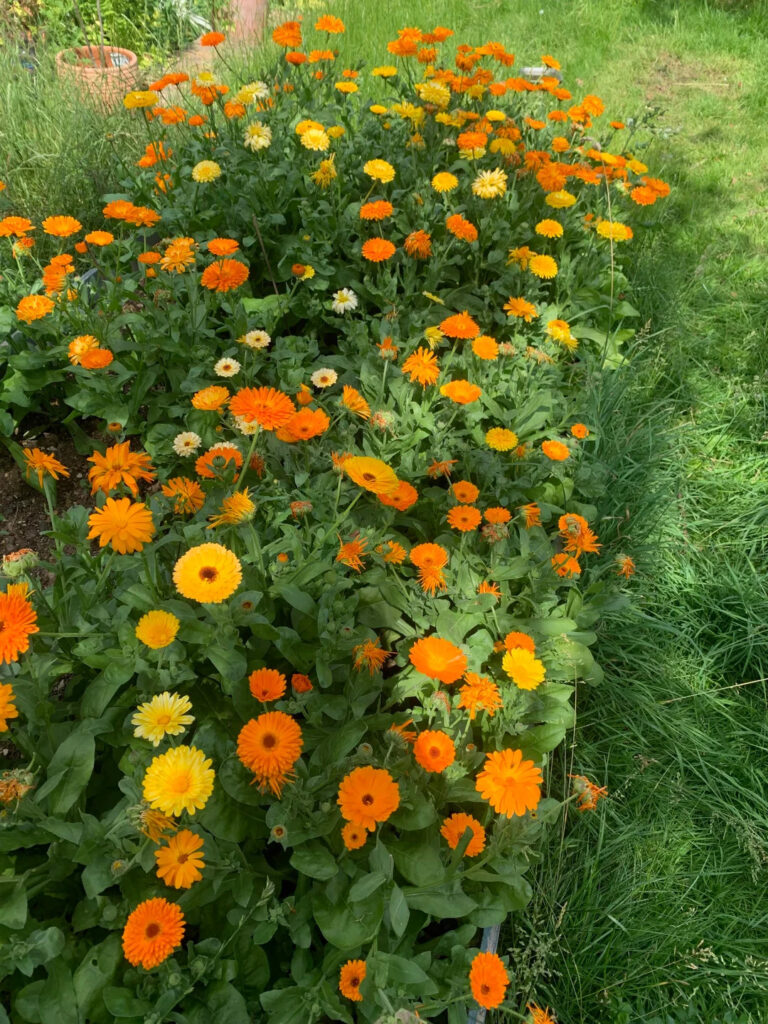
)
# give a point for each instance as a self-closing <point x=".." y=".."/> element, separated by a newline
<point x="95" y="68"/>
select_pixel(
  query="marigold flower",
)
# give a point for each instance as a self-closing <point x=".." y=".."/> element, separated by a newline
<point x="15" y="227"/>
<point x="378" y="210"/>
<point x="434" y="750"/>
<point x="301" y="683"/>
<point x="402" y="497"/>
<point x="460" y="325"/>
<point x="555" y="450"/>
<point x="266" y="406"/>
<point x="224" y="275"/>
<point x="490" y="184"/>
<point x="461" y="228"/>
<point x="61" y="227"/>
<point x="119" y="465"/>
<point x="488" y="979"/>
<point x="351" y="976"/>
<point x="270" y="746"/>
<point x="352" y="399"/>
<point x="539" y="1016"/>
<point x="34" y="307"/>
<point x="479" y="692"/>
<point x="209" y="573"/>
<point x="580" y="431"/>
<point x="578" y="537"/>
<point x="521" y="308"/>
<point x="461" y="392"/>
<point x="354" y="836"/>
<point x="487" y="587"/>
<point x="532" y="514"/>
<point x="136" y="99"/>
<point x="370" y="473"/>
<point x="8" y="710"/>
<point x="235" y="508"/>
<point x="525" y="670"/>
<point x="444" y="181"/>
<point x="438" y="659"/>
<point x="100" y="238"/>
<point x="18" y="621"/>
<point x="625" y="566"/>
<point x="465" y="492"/>
<point x="212" y="39"/>
<point x="164" y="715"/>
<point x="379" y="170"/>
<point x="587" y="793"/>
<point x="343" y="300"/>
<point x="560" y="200"/>
<point x="454" y="827"/>
<point x="267" y="684"/>
<point x="153" y="931"/>
<point x="566" y="565"/>
<point x="511" y="785"/>
<point x="392" y="552"/>
<point x="614" y="230"/>
<point x="180" y="861"/>
<point x="303" y="426"/>
<point x="124" y="524"/>
<point x="351" y="553"/>
<point x="187" y="494"/>
<point x="485" y="347"/>
<point x="422" y="367"/>
<point x="367" y="796"/>
<point x="179" y="780"/>
<point x="377" y="250"/>
<point x="43" y="465"/>
<point x="418" y="244"/>
<point x="501" y="439"/>
<point x="157" y="629"/>
<point x="370" y="655"/>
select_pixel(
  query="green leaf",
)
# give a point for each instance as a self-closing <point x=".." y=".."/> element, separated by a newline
<point x="58" y="1003"/>
<point x="315" y="861"/>
<point x="418" y="859"/>
<point x="337" y="744"/>
<point x="401" y="971"/>
<point x="441" y="904"/>
<point x="296" y="598"/>
<point x="285" y="1005"/>
<point x="398" y="911"/>
<point x="121" y="1003"/>
<point x="13" y="903"/>
<point x="226" y="1004"/>
<point x="69" y="771"/>
<point x="345" y="926"/>
<point x="364" y="886"/>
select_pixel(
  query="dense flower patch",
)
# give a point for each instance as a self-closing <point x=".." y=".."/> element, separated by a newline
<point x="286" y="709"/>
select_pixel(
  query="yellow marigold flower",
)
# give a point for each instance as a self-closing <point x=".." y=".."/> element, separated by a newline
<point x="336" y="131"/>
<point x="560" y="200"/>
<point x="549" y="229"/>
<point x="385" y="71"/>
<point x="157" y="629"/>
<point x="325" y="173"/>
<point x="124" y="524"/>
<point x="8" y="708"/>
<point x="209" y="573"/>
<point x="523" y="668"/>
<point x="164" y="715"/>
<point x="490" y="184"/>
<point x="235" y="508"/>
<point x="372" y="474"/>
<point x="436" y="93"/>
<point x="179" y="780"/>
<point x="501" y="439"/>
<point x="315" y="139"/>
<point x="137" y="98"/>
<point x="444" y="181"/>
<point x="614" y="230"/>
<point x="543" y="266"/>
<point x="379" y="170"/>
<point x="346" y="87"/>
<point x="206" y="170"/>
<point x="377" y="108"/>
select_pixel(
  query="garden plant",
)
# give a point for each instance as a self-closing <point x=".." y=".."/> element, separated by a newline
<point x="286" y="693"/>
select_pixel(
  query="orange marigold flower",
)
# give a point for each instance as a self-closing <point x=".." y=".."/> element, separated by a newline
<point x="418" y="245"/>
<point x="515" y="640"/>
<point x="301" y="683"/>
<point x="34" y="307"/>
<point x="510" y="784"/>
<point x="521" y="308"/>
<point x="79" y="346"/>
<point x="498" y="514"/>
<point x="438" y="659"/>
<point x="440" y="468"/>
<point x="351" y="976"/>
<point x="625" y="566"/>
<point x="303" y="426"/>
<point x="152" y="932"/>
<point x="223" y="246"/>
<point x="461" y="392"/>
<point x="18" y="621"/>
<point x="8" y="710"/>
<point x="566" y="565"/>
<point x="267" y="684"/>
<point x="215" y="462"/>
<point x="15" y="226"/>
<point x="61" y="227"/>
<point x="401" y="498"/>
<point x="354" y="836"/>
<point x="288" y="34"/>
<point x="434" y="750"/>
<point x="188" y="495"/>
<point x="479" y="692"/>
<point x="43" y="465"/>
<point x="211" y="399"/>
<point x="96" y="359"/>
<point x="422" y="366"/>
<point x="587" y="793"/>
<point x="460" y="325"/>
<point x="464" y="518"/>
<point x="212" y="39"/>
<point x="377" y="250"/>
<point x="461" y="228"/>
<point x="377" y="210"/>
<point x="532" y="514"/>
<point x="579" y="431"/>
<point x="471" y="140"/>
<point x="392" y="552"/>
<point x="351" y="553"/>
<point x="270" y="746"/>
<point x="99" y="238"/>
<point x="488" y="979"/>
<point x="454" y="828"/>
<point x="267" y="406"/>
<point x="485" y="347"/>
<point x="124" y="524"/>
<point x="555" y="450"/>
<point x="429" y="556"/>
<point x="352" y="399"/>
<point x="489" y="588"/>
<point x="119" y="465"/>
<point x="370" y="473"/>
<point x="330" y="23"/>
<point x="180" y="861"/>
<point x="577" y="535"/>
<point x="465" y="492"/>
<point x="224" y="275"/>
<point x="367" y="796"/>
<point x="370" y="655"/>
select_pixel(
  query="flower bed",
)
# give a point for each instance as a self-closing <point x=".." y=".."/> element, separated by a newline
<point x="286" y="709"/>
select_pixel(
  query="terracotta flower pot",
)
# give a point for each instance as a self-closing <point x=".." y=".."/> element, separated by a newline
<point x="102" y="75"/>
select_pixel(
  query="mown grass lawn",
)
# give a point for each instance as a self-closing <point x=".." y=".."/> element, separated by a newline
<point x="654" y="909"/>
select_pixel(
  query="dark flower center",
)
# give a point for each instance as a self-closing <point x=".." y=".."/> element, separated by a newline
<point x="152" y="930"/>
<point x="367" y="799"/>
<point x="209" y="573"/>
<point x="269" y="741"/>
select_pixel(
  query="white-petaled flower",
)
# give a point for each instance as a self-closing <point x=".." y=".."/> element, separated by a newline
<point x="164" y="715"/>
<point x="257" y="136"/>
<point x="490" y="184"/>
<point x="255" y="339"/>
<point x="344" y="299"/>
<point x="223" y="444"/>
<point x="242" y="424"/>
<point x="187" y="443"/>
<point x="252" y="91"/>
<point x="324" y="378"/>
<point x="316" y="139"/>
<point x="226" y="367"/>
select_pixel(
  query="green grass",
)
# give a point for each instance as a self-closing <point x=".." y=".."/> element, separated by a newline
<point x="653" y="909"/>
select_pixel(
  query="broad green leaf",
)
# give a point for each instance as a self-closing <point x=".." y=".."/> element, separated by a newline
<point x="315" y="860"/>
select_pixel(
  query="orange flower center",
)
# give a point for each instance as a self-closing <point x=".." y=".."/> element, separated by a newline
<point x="163" y="719"/>
<point x="180" y="784"/>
